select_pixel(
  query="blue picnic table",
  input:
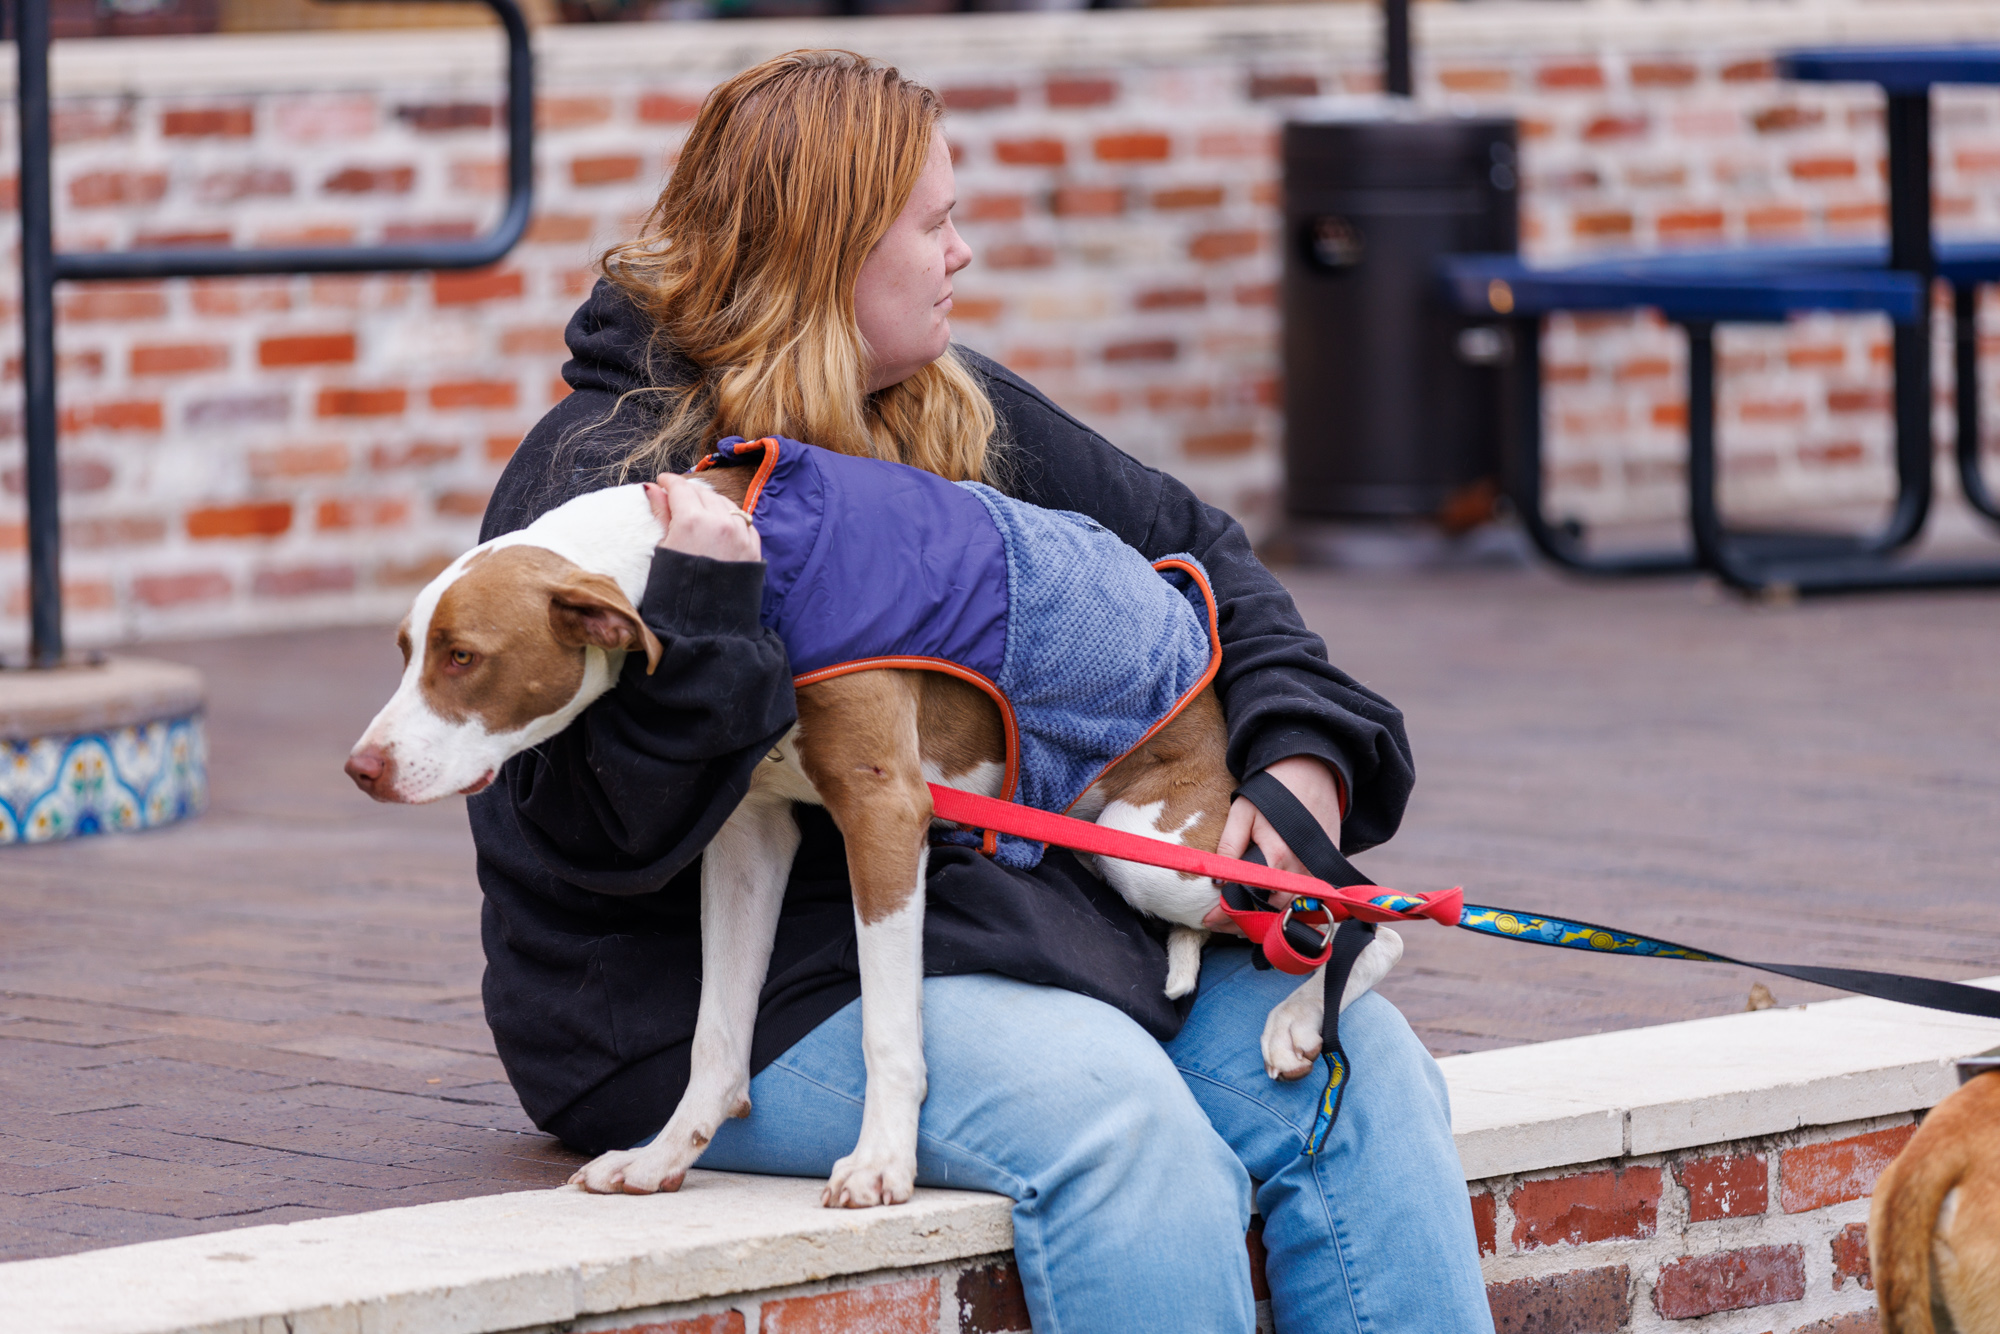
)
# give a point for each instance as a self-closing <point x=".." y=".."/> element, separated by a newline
<point x="1700" y="289"/>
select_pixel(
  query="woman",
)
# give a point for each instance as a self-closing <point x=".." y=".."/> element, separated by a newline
<point x="795" y="279"/>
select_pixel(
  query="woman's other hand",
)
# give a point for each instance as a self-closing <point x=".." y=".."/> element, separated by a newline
<point x="1317" y="789"/>
<point x="700" y="522"/>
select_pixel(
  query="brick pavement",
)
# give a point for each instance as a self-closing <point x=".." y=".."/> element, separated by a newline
<point x="272" y="1013"/>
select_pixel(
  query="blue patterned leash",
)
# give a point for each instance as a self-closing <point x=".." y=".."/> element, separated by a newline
<point x="1310" y="844"/>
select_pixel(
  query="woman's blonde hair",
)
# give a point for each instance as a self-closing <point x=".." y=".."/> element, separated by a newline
<point x="792" y="173"/>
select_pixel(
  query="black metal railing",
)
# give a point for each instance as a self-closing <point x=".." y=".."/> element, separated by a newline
<point x="42" y="267"/>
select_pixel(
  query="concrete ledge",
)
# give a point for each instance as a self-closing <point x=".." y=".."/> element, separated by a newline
<point x="533" y="1259"/>
<point x="1674" y="1086"/>
<point x="119" y="693"/>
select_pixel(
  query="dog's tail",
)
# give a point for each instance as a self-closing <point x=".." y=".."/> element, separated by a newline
<point x="1903" y="1217"/>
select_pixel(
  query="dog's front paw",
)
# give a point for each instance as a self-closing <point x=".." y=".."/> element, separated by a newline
<point x="1184" y="960"/>
<point x="1291" y="1032"/>
<point x="631" y="1171"/>
<point x="861" y="1181"/>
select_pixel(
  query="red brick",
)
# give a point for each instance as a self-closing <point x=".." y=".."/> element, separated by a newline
<point x="500" y="448"/>
<point x="605" y="170"/>
<point x="1865" y="215"/>
<point x="227" y="187"/>
<point x="1654" y="176"/>
<point x="720" y="1322"/>
<point x="1784" y="119"/>
<point x="462" y="504"/>
<point x="993" y="208"/>
<point x="1031" y="152"/>
<point x="1188" y="196"/>
<point x="1725" y="1187"/>
<point x="545" y="340"/>
<point x="1813" y="1176"/>
<point x="1701" y="1285"/>
<point x="346" y="512"/>
<point x="976" y="308"/>
<point x="566" y="228"/>
<point x="1691" y="224"/>
<point x="1212" y="247"/>
<point x="990" y="1300"/>
<point x="907" y="1307"/>
<point x="1475" y="79"/>
<point x="1857" y="400"/>
<point x="78" y="124"/>
<point x="1237" y="144"/>
<point x="1825" y="167"/>
<point x="208" y="123"/>
<point x="465" y="289"/>
<point x="1583" y="1301"/>
<point x="1218" y="444"/>
<point x="1257" y="294"/>
<point x="299" y="580"/>
<point x="668" y="108"/>
<point x="371" y="181"/>
<point x="1977" y="161"/>
<point x="1573" y="74"/>
<point x="416" y="454"/>
<point x="1602" y="128"/>
<point x="474" y="394"/>
<point x="124" y="530"/>
<point x="87" y="362"/>
<point x="306" y="350"/>
<point x="150" y="240"/>
<point x="1253" y="1239"/>
<point x="437" y="116"/>
<point x="1750" y="71"/>
<point x="1081" y="92"/>
<point x="1264" y="86"/>
<point x="141" y="414"/>
<point x="115" y="189"/>
<point x="570" y="113"/>
<point x="267" y="518"/>
<point x="178" y="358"/>
<point x="298" y="461"/>
<point x="414" y="231"/>
<point x="1607" y="223"/>
<point x="1774" y="218"/>
<point x="352" y="402"/>
<point x="1087" y="201"/>
<point x="1642" y="368"/>
<point x="1586" y="1207"/>
<point x="173" y="590"/>
<point x="1819" y="356"/>
<point x="1850" y="1257"/>
<point x="1485" y="1212"/>
<point x="1662" y="73"/>
<point x="72" y="474"/>
<point x="1171" y="298"/>
<point x="1019" y="255"/>
<point x="1148" y="349"/>
<point x="981" y="97"/>
<point x="237" y="296"/>
<point x="1135" y="146"/>
<point x="1845" y="454"/>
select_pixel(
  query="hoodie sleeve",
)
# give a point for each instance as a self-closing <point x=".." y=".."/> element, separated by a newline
<point x="1280" y="693"/>
<point x="630" y="793"/>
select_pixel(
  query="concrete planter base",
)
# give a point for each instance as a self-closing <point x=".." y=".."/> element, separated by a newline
<point x="111" y="748"/>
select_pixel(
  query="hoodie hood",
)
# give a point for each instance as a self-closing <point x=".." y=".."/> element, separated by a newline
<point x="610" y="341"/>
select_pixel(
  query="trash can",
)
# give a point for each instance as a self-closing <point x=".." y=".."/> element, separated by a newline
<point x="1392" y="402"/>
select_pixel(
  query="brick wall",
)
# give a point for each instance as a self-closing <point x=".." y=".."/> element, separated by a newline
<point x="1767" y="1234"/>
<point x="248" y="453"/>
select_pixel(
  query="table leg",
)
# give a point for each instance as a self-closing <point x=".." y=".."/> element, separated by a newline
<point x="1965" y="343"/>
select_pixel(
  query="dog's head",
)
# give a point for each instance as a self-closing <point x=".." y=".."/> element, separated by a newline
<point x="500" y="652"/>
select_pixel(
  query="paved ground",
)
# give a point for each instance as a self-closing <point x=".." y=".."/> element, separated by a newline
<point x="273" y="1013"/>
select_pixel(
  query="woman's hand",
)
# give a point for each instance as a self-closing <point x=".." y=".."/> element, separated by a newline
<point x="700" y="522"/>
<point x="1317" y="789"/>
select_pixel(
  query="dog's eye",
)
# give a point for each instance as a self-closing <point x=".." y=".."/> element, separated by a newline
<point x="461" y="658"/>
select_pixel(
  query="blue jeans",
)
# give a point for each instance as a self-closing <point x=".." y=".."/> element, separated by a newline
<point x="1132" y="1165"/>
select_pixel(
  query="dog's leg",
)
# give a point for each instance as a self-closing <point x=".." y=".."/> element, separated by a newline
<point x="858" y="745"/>
<point x="743" y="875"/>
<point x="1292" y="1030"/>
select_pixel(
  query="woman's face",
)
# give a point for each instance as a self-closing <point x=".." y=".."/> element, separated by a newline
<point x="902" y="300"/>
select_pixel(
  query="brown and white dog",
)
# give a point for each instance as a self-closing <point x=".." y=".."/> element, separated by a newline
<point x="1934" y="1224"/>
<point x="512" y="641"/>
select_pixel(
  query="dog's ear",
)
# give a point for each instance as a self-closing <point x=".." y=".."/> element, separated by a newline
<point x="592" y="609"/>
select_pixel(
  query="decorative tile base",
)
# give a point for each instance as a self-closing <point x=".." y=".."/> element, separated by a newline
<point x="116" y="780"/>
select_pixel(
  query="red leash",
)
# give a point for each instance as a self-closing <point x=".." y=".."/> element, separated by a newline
<point x="1317" y="902"/>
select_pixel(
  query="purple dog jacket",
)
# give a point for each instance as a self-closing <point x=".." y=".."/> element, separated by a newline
<point x="1087" y="648"/>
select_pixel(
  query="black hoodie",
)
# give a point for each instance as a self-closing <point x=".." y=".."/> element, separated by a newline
<point x="589" y="846"/>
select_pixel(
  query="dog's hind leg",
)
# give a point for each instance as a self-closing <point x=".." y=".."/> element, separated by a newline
<point x="743" y="874"/>
<point x="858" y="744"/>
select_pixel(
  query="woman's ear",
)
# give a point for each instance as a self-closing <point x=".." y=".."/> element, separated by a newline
<point x="592" y="609"/>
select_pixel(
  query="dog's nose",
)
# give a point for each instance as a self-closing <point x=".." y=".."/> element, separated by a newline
<point x="366" y="766"/>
